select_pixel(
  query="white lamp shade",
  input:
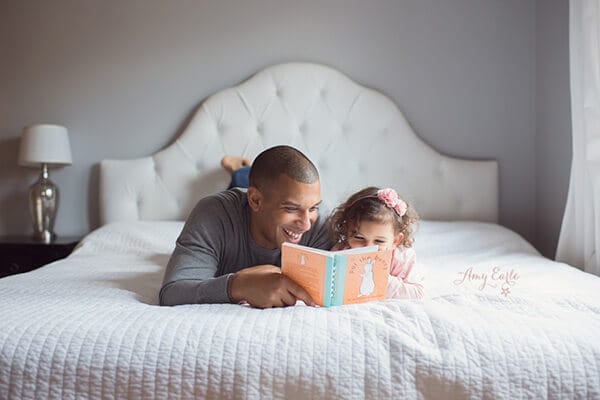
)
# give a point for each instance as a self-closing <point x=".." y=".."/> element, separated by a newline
<point x="45" y="144"/>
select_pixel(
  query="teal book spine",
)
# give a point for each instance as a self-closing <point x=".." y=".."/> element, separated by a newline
<point x="340" y="273"/>
<point x="329" y="289"/>
<point x="335" y="271"/>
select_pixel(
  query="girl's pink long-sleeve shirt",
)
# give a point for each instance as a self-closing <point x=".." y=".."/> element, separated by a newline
<point x="403" y="282"/>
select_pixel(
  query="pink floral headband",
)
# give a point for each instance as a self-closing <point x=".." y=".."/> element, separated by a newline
<point x="391" y="199"/>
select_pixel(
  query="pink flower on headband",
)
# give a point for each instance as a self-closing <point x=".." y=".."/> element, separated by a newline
<point x="391" y="199"/>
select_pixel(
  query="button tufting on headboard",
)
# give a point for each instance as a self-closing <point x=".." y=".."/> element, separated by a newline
<point x="356" y="137"/>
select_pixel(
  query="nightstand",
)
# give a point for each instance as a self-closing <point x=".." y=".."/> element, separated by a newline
<point x="23" y="253"/>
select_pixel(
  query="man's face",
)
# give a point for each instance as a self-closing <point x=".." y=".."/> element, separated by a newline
<point x="283" y="212"/>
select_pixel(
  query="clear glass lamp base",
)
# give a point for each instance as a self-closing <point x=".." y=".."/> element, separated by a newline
<point x="43" y="204"/>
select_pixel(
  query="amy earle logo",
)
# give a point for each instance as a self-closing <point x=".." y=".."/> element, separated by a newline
<point x="494" y="278"/>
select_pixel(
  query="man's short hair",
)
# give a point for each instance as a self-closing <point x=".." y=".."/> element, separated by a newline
<point x="281" y="160"/>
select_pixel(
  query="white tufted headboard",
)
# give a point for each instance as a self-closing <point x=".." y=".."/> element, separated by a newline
<point x="355" y="136"/>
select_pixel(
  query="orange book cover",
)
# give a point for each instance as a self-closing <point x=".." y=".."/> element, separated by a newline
<point x="338" y="277"/>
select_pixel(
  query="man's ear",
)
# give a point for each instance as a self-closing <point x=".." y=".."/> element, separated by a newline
<point x="255" y="198"/>
<point x="398" y="239"/>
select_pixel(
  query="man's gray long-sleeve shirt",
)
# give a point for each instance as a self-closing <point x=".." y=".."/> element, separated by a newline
<point x="215" y="243"/>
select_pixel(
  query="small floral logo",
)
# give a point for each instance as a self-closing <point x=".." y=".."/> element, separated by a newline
<point x="494" y="278"/>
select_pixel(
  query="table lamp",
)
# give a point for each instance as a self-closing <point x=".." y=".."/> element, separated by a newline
<point x="43" y="145"/>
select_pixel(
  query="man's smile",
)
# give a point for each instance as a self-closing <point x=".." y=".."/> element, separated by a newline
<point x="293" y="237"/>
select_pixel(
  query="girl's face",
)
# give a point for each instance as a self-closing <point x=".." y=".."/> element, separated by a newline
<point x="370" y="233"/>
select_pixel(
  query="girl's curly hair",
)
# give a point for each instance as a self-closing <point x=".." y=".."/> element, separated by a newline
<point x="364" y="205"/>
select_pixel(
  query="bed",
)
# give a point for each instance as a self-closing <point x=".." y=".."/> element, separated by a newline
<point x="499" y="320"/>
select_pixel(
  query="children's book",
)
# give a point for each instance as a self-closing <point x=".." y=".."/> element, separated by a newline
<point x="334" y="278"/>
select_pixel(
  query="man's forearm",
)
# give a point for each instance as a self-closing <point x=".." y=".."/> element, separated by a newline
<point x="192" y="291"/>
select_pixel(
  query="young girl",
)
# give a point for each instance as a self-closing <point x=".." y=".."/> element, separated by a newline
<point x="379" y="217"/>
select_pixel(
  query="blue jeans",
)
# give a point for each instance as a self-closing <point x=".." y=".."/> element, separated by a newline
<point x="240" y="178"/>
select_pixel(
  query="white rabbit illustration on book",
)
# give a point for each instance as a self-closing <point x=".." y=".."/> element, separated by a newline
<point x="367" y="285"/>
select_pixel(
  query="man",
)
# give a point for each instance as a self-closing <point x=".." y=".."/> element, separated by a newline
<point x="230" y="247"/>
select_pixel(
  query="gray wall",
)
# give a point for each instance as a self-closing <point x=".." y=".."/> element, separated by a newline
<point x="553" y="125"/>
<point x="124" y="76"/>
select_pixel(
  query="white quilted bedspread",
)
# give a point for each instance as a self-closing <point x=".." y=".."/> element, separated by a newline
<point x="89" y="327"/>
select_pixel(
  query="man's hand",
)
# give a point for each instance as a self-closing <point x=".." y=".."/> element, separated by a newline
<point x="264" y="286"/>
